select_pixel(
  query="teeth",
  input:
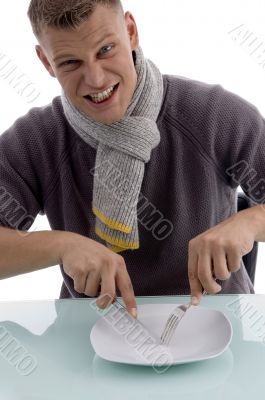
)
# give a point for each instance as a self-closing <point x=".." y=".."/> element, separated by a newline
<point x="102" y="96"/>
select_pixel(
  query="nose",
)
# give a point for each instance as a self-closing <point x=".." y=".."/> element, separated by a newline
<point x="94" y="75"/>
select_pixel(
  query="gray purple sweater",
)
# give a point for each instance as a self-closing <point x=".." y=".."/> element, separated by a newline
<point x="211" y="141"/>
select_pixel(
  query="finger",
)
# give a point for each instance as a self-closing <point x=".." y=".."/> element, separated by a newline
<point x="195" y="285"/>
<point x="108" y="288"/>
<point x="195" y="300"/>
<point x="92" y="284"/>
<point x="205" y="273"/>
<point x="220" y="267"/>
<point x="233" y="260"/>
<point x="124" y="284"/>
<point x="80" y="282"/>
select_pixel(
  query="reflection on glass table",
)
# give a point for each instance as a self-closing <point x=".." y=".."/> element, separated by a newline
<point x="56" y="334"/>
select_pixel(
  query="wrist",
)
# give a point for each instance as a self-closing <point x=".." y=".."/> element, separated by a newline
<point x="64" y="241"/>
<point x="256" y="222"/>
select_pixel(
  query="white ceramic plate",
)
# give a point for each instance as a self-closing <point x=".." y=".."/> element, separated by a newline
<point x="202" y="334"/>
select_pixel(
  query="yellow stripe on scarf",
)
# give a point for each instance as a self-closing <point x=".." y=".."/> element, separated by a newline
<point x="117" y="242"/>
<point x="111" y="223"/>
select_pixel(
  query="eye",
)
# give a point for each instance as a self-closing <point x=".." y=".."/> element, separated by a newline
<point x="69" y="62"/>
<point x="105" y="49"/>
<point x="69" y="65"/>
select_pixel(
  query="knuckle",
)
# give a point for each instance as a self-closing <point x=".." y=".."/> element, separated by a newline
<point x="92" y="264"/>
<point x="246" y="247"/>
<point x="104" y="259"/>
<point x="78" y="288"/>
<point x="79" y="279"/>
<point x="212" y="290"/>
<point x="195" y="243"/>
<point x="120" y="261"/>
<point x="205" y="240"/>
<point x="233" y="247"/>
<point x="204" y="244"/>
<point x="203" y="274"/>
<point x="217" y="243"/>
<point x="79" y="270"/>
<point x="128" y="286"/>
<point x="234" y="261"/>
<point x="234" y="268"/>
<point x="107" y="264"/>
<point x="191" y="274"/>
<point x="222" y="275"/>
<point x="77" y="274"/>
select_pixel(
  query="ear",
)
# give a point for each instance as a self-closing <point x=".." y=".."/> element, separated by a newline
<point x="132" y="30"/>
<point x="44" y="60"/>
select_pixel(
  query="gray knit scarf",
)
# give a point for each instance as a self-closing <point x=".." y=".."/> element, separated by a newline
<point x="123" y="148"/>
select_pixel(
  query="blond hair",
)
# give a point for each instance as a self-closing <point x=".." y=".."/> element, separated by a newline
<point x="63" y="14"/>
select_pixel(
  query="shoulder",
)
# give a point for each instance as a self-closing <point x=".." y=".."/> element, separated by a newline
<point x="224" y="127"/>
<point x="41" y="129"/>
<point x="40" y="123"/>
<point x="197" y="103"/>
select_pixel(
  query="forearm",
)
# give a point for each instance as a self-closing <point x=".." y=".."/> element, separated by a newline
<point x="22" y="252"/>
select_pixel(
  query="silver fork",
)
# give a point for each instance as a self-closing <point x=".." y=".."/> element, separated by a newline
<point x="172" y="322"/>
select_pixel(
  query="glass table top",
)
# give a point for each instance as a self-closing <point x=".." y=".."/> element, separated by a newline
<point x="45" y="353"/>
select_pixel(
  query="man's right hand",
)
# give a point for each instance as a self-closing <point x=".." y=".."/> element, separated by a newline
<point x="91" y="265"/>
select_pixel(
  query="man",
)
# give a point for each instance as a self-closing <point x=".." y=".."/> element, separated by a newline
<point x="136" y="172"/>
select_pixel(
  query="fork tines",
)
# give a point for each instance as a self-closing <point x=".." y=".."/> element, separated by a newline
<point x="172" y="323"/>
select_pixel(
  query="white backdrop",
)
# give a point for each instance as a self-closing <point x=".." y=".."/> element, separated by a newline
<point x="212" y="41"/>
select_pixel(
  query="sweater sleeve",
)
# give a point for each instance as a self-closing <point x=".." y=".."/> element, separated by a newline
<point x="30" y="154"/>
<point x="229" y="131"/>
<point x="20" y="200"/>
<point x="238" y="146"/>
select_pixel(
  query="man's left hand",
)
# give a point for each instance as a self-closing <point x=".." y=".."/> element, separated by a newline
<point x="216" y="253"/>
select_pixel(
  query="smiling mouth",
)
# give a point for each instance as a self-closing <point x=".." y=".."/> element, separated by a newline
<point x="104" y="96"/>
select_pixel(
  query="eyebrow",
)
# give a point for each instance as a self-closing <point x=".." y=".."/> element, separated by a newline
<point x="60" y="57"/>
<point x="56" y="59"/>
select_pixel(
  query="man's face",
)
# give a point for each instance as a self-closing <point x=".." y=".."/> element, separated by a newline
<point x="94" y="63"/>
